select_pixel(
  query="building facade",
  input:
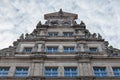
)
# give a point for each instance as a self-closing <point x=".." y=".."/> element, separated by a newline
<point x="60" y="49"/>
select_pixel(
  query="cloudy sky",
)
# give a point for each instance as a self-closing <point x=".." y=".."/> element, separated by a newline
<point x="21" y="16"/>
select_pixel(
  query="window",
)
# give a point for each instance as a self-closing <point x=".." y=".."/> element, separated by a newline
<point x="52" y="49"/>
<point x="68" y="49"/>
<point x="54" y="22"/>
<point x="4" y="71"/>
<point x="70" y="71"/>
<point x="68" y="33"/>
<point x="27" y="49"/>
<point x="100" y="71"/>
<point x="93" y="49"/>
<point x="51" y="72"/>
<point x="53" y="33"/>
<point x="21" y="72"/>
<point x="116" y="71"/>
<point x="66" y="23"/>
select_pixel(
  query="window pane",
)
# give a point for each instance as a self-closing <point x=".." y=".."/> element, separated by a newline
<point x="68" y="49"/>
<point x="93" y="49"/>
<point x="70" y="71"/>
<point x="51" y="71"/>
<point x="27" y="50"/>
<point x="22" y="72"/>
<point x="4" y="71"/>
<point x="52" y="49"/>
<point x="100" y="71"/>
<point x="116" y="71"/>
<point x="53" y="33"/>
<point x="68" y="33"/>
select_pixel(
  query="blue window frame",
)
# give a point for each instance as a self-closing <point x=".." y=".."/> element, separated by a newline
<point x="52" y="49"/>
<point x="68" y="33"/>
<point x="68" y="49"/>
<point x="27" y="49"/>
<point x="116" y="71"/>
<point x="51" y="72"/>
<point x="21" y="72"/>
<point x="52" y="33"/>
<point x="4" y="71"/>
<point x="70" y="71"/>
<point x="100" y="71"/>
<point x="93" y="49"/>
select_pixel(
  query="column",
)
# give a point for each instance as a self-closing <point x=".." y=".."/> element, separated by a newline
<point x="38" y="68"/>
<point x="61" y="71"/>
<point x="60" y="49"/>
<point x="12" y="71"/>
<point x="109" y="71"/>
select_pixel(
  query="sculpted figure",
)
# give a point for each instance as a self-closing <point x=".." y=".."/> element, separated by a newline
<point x="110" y="50"/>
<point x="26" y="36"/>
<point x="99" y="36"/>
<point x="94" y="35"/>
<point x="39" y="24"/>
<point x="82" y="23"/>
<point x="87" y="34"/>
<point x="22" y="36"/>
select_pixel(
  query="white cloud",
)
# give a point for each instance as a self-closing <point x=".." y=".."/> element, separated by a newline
<point x="21" y="16"/>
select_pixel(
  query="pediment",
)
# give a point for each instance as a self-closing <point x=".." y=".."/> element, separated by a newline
<point x="60" y="14"/>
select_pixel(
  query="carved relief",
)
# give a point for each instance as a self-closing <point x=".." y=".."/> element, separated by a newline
<point x="8" y="51"/>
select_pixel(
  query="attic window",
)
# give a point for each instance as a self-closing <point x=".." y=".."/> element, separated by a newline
<point x="53" y="33"/>
<point x="93" y="49"/>
<point x="66" y="23"/>
<point x="68" y="33"/>
<point x="27" y="50"/>
<point x="54" y="22"/>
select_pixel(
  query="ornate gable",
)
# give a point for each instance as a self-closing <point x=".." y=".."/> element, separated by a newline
<point x="60" y="14"/>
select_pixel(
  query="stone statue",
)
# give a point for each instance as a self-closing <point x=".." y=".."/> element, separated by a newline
<point x="110" y="50"/>
<point x="106" y="43"/>
<point x="35" y="47"/>
<point x="39" y="24"/>
<point x="99" y="36"/>
<point x="60" y="12"/>
<point x="87" y="34"/>
<point x="22" y="36"/>
<point x="43" y="48"/>
<point x="94" y="35"/>
<point x="27" y="36"/>
<point x="75" y="22"/>
<point x="82" y="23"/>
<point x="46" y="22"/>
<point x="31" y="36"/>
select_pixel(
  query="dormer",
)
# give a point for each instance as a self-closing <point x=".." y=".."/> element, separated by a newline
<point x="60" y="18"/>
